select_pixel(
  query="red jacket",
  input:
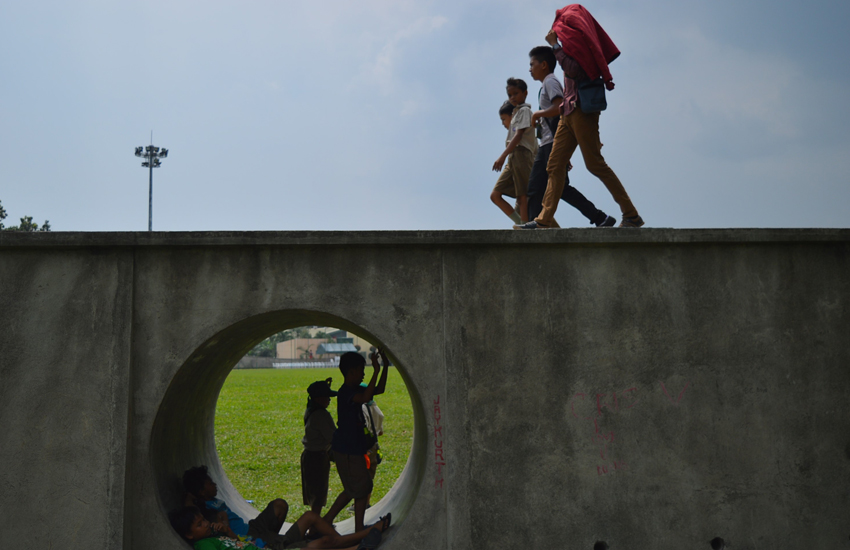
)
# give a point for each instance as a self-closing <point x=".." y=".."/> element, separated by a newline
<point x="585" y="41"/>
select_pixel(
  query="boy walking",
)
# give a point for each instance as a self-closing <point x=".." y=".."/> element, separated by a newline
<point x="583" y="50"/>
<point x="520" y="146"/>
<point x="542" y="69"/>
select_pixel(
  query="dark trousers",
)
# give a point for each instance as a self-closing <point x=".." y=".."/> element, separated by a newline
<point x="537" y="189"/>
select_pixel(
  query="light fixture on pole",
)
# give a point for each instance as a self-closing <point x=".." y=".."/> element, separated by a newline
<point x="151" y="154"/>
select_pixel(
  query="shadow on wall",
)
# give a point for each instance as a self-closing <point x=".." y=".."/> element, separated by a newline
<point x="183" y="433"/>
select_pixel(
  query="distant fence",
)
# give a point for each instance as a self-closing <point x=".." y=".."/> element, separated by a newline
<point x="251" y="362"/>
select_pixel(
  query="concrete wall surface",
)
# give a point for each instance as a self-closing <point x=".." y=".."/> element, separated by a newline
<point x="652" y="388"/>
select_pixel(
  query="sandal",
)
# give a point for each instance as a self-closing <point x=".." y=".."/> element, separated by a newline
<point x="386" y="521"/>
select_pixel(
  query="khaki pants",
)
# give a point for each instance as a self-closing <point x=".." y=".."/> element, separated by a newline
<point x="579" y="129"/>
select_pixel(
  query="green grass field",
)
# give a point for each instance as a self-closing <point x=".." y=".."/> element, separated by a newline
<point x="259" y="425"/>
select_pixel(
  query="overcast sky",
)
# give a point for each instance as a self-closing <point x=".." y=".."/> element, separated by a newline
<point x="382" y="114"/>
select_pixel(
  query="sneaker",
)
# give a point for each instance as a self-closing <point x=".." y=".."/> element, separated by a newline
<point x="609" y="221"/>
<point x="531" y="225"/>
<point x="634" y="221"/>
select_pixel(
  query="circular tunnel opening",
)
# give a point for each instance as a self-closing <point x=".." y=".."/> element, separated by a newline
<point x="259" y="421"/>
<point x="183" y="432"/>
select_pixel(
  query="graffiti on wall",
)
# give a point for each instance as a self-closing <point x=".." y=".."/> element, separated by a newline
<point x="592" y="407"/>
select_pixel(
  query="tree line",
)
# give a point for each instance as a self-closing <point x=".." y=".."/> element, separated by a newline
<point x="26" y="225"/>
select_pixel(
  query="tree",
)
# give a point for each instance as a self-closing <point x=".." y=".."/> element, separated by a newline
<point x="26" y="225"/>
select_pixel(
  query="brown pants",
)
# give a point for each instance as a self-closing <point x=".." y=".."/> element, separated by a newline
<point x="579" y="129"/>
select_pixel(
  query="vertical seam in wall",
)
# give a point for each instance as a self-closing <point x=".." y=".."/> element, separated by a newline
<point x="128" y="458"/>
<point x="445" y="385"/>
<point x="115" y="516"/>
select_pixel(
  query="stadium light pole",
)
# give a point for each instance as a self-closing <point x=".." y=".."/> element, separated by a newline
<point x="152" y="156"/>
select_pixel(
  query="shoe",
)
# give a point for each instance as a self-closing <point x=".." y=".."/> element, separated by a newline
<point x="609" y="221"/>
<point x="372" y="540"/>
<point x="634" y="221"/>
<point x="531" y="225"/>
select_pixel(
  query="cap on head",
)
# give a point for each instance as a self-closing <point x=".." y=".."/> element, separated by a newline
<point x="321" y="388"/>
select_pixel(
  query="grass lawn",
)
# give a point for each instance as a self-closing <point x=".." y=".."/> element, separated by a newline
<point x="259" y="425"/>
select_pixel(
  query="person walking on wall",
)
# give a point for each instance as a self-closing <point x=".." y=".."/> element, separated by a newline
<point x="584" y="50"/>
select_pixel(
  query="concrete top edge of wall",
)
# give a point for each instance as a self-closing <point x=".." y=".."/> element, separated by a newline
<point x="591" y="236"/>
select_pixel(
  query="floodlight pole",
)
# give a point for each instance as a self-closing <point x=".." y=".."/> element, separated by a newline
<point x="152" y="156"/>
<point x="150" y="197"/>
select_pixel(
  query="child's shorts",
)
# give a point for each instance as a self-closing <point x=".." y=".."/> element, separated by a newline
<point x="354" y="474"/>
<point x="315" y="468"/>
<point x="513" y="181"/>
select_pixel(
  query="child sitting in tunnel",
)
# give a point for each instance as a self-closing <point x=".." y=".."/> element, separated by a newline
<point x="197" y="531"/>
<point x="201" y="493"/>
<point x="319" y="430"/>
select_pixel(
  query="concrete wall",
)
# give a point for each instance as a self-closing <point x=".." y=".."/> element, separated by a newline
<point x="650" y="388"/>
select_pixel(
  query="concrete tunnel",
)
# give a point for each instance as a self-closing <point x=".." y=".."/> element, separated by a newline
<point x="650" y="388"/>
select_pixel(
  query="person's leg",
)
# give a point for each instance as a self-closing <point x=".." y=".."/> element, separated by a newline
<point x="315" y="470"/>
<point x="373" y="469"/>
<point x="335" y="540"/>
<point x="577" y="200"/>
<point x="587" y="134"/>
<point x="562" y="149"/>
<point x="267" y="525"/>
<point x="341" y="502"/>
<point x="360" y="511"/>
<point x="522" y="161"/>
<point x="523" y="207"/>
<point x="281" y="508"/>
<point x="537" y="181"/>
<point x="354" y="474"/>
<point x="501" y="203"/>
<point x="505" y="187"/>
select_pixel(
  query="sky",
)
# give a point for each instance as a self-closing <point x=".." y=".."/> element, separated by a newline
<point x="383" y="114"/>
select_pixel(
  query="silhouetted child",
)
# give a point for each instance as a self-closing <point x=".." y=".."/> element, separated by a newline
<point x="520" y="146"/>
<point x="319" y="430"/>
<point x="352" y="440"/>
<point x="201" y="492"/>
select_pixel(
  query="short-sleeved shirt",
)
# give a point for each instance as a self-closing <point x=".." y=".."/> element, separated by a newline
<point x="237" y="524"/>
<point x="223" y="543"/>
<point x="551" y="89"/>
<point x="350" y="437"/>
<point x="522" y="119"/>
<point x="318" y="431"/>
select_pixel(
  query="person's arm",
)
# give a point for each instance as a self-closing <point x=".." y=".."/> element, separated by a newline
<point x="569" y="65"/>
<point x="553" y="110"/>
<point x="222" y="526"/>
<point x="366" y="395"/>
<point x="325" y="426"/>
<point x="382" y="382"/>
<point x="497" y="166"/>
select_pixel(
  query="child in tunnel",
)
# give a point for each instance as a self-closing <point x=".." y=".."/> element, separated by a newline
<point x="195" y="529"/>
<point x="352" y="439"/>
<point x="319" y="429"/>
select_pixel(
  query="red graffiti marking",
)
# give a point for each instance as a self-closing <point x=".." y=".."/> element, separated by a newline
<point x="439" y="450"/>
<point x="681" y="394"/>
<point x="603" y="469"/>
<point x="592" y="409"/>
